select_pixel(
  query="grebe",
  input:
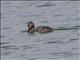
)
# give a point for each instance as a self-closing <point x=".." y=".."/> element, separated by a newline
<point x="41" y="29"/>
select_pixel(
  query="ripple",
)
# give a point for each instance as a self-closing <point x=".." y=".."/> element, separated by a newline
<point x="76" y="26"/>
<point x="6" y="53"/>
<point x="64" y="53"/>
<point x="1" y="36"/>
<point x="57" y="15"/>
<point x="75" y="48"/>
<point x="43" y="21"/>
<point x="46" y="5"/>
<point x="51" y="42"/>
<point x="68" y="28"/>
<point x="28" y="15"/>
<point x="6" y="28"/>
<point x="71" y="40"/>
<point x="74" y="39"/>
<point x="9" y="47"/>
<point x="26" y="47"/>
<point x="34" y="59"/>
<point x="3" y="43"/>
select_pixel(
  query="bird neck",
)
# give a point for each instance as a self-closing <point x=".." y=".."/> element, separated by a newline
<point x="32" y="27"/>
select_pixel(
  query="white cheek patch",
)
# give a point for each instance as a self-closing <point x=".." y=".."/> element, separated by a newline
<point x="30" y="25"/>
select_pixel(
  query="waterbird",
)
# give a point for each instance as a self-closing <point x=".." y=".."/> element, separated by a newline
<point x="41" y="29"/>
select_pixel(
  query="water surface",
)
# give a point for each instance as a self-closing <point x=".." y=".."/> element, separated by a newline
<point x="61" y="44"/>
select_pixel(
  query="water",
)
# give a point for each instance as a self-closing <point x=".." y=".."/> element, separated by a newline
<point x="61" y="44"/>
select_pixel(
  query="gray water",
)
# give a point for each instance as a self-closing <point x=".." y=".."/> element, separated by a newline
<point x="61" y="44"/>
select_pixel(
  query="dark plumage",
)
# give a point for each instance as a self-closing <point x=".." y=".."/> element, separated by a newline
<point x="41" y="29"/>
